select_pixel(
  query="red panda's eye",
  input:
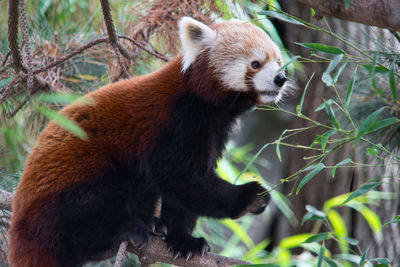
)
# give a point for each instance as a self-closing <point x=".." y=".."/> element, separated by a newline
<point x="255" y="64"/>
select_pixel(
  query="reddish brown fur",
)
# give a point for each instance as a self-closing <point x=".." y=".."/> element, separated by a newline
<point x="132" y="112"/>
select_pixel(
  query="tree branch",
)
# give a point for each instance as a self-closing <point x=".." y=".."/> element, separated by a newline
<point x="380" y="13"/>
<point x="156" y="250"/>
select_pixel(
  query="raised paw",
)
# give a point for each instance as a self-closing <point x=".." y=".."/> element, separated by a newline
<point x="254" y="199"/>
<point x="187" y="246"/>
<point x="157" y="227"/>
<point x="260" y="203"/>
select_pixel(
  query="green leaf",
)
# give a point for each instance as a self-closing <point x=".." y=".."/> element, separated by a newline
<point x="372" y="151"/>
<point x="323" y="48"/>
<point x="316" y="169"/>
<point x="374" y="68"/>
<point x="63" y="121"/>
<point x="339" y="72"/>
<point x="321" y="255"/>
<point x="294" y="240"/>
<point x="326" y="78"/>
<point x="362" y="190"/>
<point x="323" y="139"/>
<point x="317" y="238"/>
<point x="278" y="150"/>
<point x="337" y="222"/>
<point x="313" y="214"/>
<point x="331" y="113"/>
<point x="252" y="160"/>
<point x="396" y="219"/>
<point x="300" y="106"/>
<point x="364" y="257"/>
<point x="351" y="241"/>
<point x="383" y="124"/>
<point x="382" y="261"/>
<point x="291" y="60"/>
<point x="392" y="82"/>
<point x="343" y="162"/>
<point x="370" y="216"/>
<point x="367" y="124"/>
<point x="350" y="88"/>
<point x="58" y="98"/>
<point x="312" y="11"/>
<point x="330" y="262"/>
<point x="280" y="16"/>
<point x="239" y="231"/>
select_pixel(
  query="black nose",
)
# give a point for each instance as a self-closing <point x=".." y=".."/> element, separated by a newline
<point x="280" y="79"/>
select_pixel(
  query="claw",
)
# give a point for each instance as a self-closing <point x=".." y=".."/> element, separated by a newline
<point x="177" y="255"/>
<point x="169" y="249"/>
<point x="164" y="230"/>
<point x="189" y="255"/>
<point x="205" y="249"/>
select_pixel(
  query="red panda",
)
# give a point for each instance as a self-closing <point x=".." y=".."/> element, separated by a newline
<point x="149" y="137"/>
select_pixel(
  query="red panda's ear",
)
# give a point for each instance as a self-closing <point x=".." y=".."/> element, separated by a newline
<point x="195" y="36"/>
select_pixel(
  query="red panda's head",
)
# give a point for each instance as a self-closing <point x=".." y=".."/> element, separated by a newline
<point x="242" y="56"/>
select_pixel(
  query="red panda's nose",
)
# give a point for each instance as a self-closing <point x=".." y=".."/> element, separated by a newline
<point x="280" y="79"/>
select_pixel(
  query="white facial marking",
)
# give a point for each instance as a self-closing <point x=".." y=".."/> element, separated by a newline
<point x="264" y="83"/>
<point x="259" y="54"/>
<point x="264" y="79"/>
<point x="232" y="76"/>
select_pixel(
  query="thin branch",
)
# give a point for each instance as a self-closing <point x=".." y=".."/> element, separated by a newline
<point x="118" y="48"/>
<point x="154" y="53"/>
<point x="13" y="34"/>
<point x="380" y="13"/>
<point x="156" y="250"/>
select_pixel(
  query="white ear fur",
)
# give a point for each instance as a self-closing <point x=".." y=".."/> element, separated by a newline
<point x="194" y="36"/>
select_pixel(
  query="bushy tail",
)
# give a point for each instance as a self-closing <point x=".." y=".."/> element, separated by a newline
<point x="26" y="252"/>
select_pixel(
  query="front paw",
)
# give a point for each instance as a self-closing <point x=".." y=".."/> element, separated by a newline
<point x="255" y="198"/>
<point x="187" y="246"/>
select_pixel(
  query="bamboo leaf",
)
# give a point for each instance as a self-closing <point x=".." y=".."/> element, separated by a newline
<point x="291" y="60"/>
<point x="239" y="231"/>
<point x="372" y="68"/>
<point x="362" y="190"/>
<point x="326" y="78"/>
<point x="300" y="106"/>
<point x="392" y="82"/>
<point x="316" y="169"/>
<point x="339" y="72"/>
<point x="321" y="255"/>
<point x="368" y="123"/>
<point x="364" y="257"/>
<point x="323" y="48"/>
<point x="313" y="214"/>
<point x="396" y="219"/>
<point x="350" y="88"/>
<point x="351" y="241"/>
<point x="63" y="121"/>
<point x="370" y="216"/>
<point x="343" y="162"/>
<point x="280" y="16"/>
<point x="278" y="150"/>
<point x="317" y="238"/>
